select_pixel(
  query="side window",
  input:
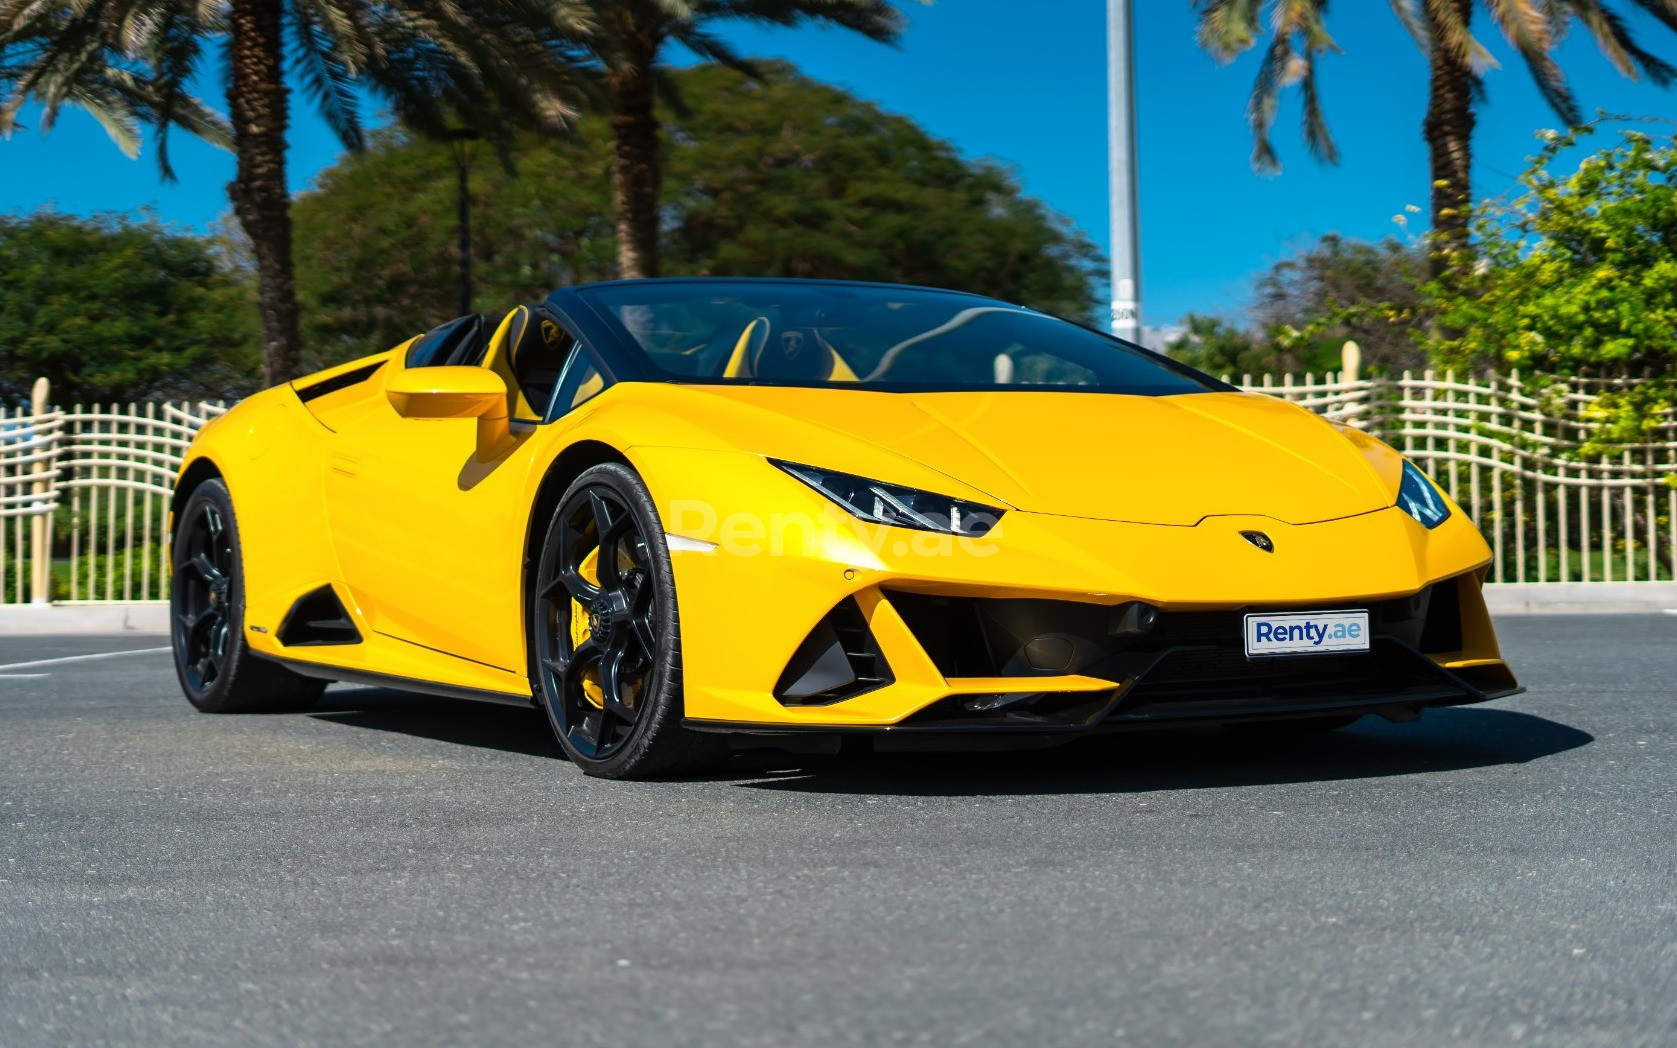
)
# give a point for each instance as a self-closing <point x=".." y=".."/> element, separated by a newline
<point x="582" y="381"/>
<point x="538" y="359"/>
<point x="460" y="341"/>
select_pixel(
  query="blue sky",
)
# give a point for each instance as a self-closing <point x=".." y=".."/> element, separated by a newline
<point x="1025" y="84"/>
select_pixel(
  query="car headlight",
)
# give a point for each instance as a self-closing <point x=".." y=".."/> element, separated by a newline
<point x="1418" y="498"/>
<point x="881" y="503"/>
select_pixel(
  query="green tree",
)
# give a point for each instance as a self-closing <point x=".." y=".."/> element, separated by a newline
<point x="1310" y="303"/>
<point x="1456" y="61"/>
<point x="1578" y="278"/>
<point x="1220" y="347"/>
<point x="1306" y="306"/>
<point x="110" y="309"/>
<point x="130" y="62"/>
<point x="773" y="176"/>
<point x="627" y="40"/>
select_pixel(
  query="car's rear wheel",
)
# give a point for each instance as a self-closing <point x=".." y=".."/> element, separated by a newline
<point x="218" y="673"/>
<point x="605" y="634"/>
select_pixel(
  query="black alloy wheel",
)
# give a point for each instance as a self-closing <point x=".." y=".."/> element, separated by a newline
<point x="202" y="595"/>
<point x="217" y="671"/>
<point x="605" y="635"/>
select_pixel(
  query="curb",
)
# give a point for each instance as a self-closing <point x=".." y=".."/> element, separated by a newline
<point x="1575" y="598"/>
<point x="40" y="620"/>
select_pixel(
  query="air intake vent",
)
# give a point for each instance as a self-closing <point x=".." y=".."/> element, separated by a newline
<point x="344" y="380"/>
<point x="318" y="619"/>
<point x="838" y="660"/>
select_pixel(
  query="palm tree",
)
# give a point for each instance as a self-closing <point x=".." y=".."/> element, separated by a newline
<point x="130" y="63"/>
<point x="1442" y="30"/>
<point x="627" y="40"/>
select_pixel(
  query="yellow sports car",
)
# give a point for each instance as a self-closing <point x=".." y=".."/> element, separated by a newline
<point x="671" y="512"/>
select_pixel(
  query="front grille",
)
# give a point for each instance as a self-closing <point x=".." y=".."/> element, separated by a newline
<point x="1188" y="665"/>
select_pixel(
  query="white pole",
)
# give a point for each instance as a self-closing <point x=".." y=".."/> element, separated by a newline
<point x="1126" y="237"/>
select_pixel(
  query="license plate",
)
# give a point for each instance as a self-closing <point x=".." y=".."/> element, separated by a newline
<point x="1306" y="633"/>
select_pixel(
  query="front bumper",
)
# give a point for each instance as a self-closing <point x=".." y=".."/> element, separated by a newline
<point x="1194" y="671"/>
<point x="746" y="616"/>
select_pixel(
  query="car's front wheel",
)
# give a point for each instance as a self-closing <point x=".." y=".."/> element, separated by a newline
<point x="605" y="637"/>
<point x="217" y="671"/>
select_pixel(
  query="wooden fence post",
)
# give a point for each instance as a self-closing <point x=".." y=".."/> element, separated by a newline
<point x="40" y="532"/>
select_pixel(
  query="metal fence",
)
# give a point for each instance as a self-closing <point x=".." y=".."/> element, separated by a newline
<point x="84" y="499"/>
<point x="1519" y="456"/>
<point x="84" y="491"/>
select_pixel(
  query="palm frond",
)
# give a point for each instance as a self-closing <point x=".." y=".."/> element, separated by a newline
<point x="1551" y="83"/>
<point x="1228" y="27"/>
<point x="1664" y="10"/>
<point x="876" y="19"/>
<point x="1299" y="36"/>
<point x="1316" y="135"/>
<point x="712" y="48"/>
<point x="127" y="63"/>
<point x="1452" y="35"/>
<point x="1414" y="21"/>
<point x="1614" y="38"/>
<point x="1264" y="100"/>
<point x="1526" y="25"/>
<point x="328" y="76"/>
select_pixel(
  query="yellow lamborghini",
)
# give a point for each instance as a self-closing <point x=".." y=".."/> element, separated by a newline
<point x="671" y="512"/>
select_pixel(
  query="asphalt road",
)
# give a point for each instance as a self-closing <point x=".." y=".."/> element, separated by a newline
<point x="407" y="871"/>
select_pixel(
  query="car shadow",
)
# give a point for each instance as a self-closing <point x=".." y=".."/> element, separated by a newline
<point x="1194" y="758"/>
<point x="485" y="725"/>
<point x="1181" y="759"/>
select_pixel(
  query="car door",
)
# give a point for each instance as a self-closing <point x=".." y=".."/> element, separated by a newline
<point x="429" y="520"/>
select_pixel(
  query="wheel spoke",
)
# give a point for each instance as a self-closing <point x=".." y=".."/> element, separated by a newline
<point x="587" y="652"/>
<point x="611" y="685"/>
<point x="605" y="566"/>
<point x="191" y="624"/>
<point x="646" y="637"/>
<point x="599" y="726"/>
<point x="570" y="581"/>
<point x="583" y="591"/>
<point x="205" y="568"/>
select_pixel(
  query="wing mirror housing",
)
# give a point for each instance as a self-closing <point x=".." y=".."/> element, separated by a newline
<point x="447" y="392"/>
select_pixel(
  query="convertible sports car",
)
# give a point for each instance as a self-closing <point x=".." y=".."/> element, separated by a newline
<point x="670" y="511"/>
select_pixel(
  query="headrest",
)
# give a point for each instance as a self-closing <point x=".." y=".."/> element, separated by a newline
<point x="792" y="355"/>
<point x="533" y="340"/>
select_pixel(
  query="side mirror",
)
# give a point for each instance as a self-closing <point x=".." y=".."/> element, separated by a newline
<point x="447" y="392"/>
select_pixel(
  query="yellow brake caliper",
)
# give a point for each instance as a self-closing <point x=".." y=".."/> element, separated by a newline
<point x="590" y="570"/>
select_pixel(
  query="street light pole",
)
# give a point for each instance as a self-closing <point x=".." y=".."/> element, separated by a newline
<point x="1121" y="170"/>
<point x="461" y="142"/>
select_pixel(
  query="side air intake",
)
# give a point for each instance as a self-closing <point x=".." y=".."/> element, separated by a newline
<point x="316" y="620"/>
<point x="838" y="660"/>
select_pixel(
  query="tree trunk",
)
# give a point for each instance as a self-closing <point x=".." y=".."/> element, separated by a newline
<point x="256" y="101"/>
<point x="1449" y="134"/>
<point x="635" y="171"/>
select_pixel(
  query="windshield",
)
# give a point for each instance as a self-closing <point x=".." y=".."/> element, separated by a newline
<point x="873" y="336"/>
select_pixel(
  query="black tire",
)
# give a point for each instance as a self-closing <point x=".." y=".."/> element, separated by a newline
<point x="606" y="652"/>
<point x="1292" y="728"/>
<point x="217" y="671"/>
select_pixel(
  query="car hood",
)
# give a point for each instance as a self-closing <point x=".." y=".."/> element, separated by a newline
<point x="1152" y="460"/>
